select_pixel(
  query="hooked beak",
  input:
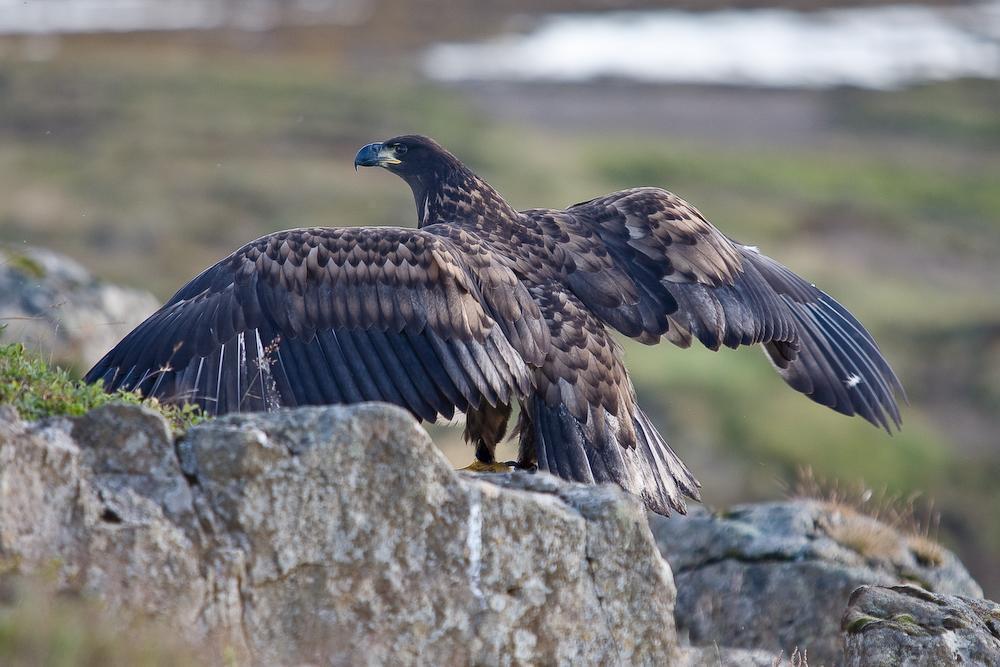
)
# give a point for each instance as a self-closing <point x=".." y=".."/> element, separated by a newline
<point x="374" y="155"/>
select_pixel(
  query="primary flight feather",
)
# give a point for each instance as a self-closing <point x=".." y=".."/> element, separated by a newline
<point x="483" y="306"/>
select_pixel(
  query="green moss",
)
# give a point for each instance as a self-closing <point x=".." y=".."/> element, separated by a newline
<point x="25" y="265"/>
<point x="860" y="622"/>
<point x="900" y="622"/>
<point x="38" y="390"/>
<point x="908" y="624"/>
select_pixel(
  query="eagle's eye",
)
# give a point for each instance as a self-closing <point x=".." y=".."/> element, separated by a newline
<point x="399" y="149"/>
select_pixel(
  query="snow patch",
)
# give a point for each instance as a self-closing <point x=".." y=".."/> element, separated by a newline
<point x="872" y="47"/>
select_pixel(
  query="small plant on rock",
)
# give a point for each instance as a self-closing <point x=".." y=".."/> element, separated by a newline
<point x="37" y="390"/>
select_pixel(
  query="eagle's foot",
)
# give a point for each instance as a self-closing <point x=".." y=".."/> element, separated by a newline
<point x="483" y="466"/>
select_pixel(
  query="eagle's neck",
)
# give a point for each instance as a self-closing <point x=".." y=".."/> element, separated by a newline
<point x="460" y="197"/>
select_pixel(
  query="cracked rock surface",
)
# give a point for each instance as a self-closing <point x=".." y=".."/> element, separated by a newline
<point x="334" y="535"/>
<point x="911" y="627"/>
<point x="777" y="576"/>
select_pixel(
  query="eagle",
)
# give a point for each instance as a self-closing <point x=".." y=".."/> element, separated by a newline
<point x="482" y="307"/>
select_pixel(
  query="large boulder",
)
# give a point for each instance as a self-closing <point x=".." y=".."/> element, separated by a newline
<point x="52" y="304"/>
<point x="911" y="627"/>
<point x="777" y="576"/>
<point x="342" y="536"/>
<point x="332" y="536"/>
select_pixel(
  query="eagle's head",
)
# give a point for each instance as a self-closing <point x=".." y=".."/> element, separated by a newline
<point x="437" y="178"/>
<point x="412" y="157"/>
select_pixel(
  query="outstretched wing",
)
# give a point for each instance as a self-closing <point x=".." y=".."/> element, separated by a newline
<point x="427" y="319"/>
<point x="651" y="265"/>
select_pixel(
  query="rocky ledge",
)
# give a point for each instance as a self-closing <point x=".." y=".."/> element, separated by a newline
<point x="332" y="536"/>
<point x="779" y="575"/>
<point x="341" y="535"/>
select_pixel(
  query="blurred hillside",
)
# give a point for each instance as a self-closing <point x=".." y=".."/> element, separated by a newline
<point x="149" y="157"/>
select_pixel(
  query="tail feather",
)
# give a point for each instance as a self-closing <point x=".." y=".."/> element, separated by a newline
<point x="594" y="452"/>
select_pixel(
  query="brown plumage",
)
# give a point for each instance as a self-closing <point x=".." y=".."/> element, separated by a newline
<point x="483" y="306"/>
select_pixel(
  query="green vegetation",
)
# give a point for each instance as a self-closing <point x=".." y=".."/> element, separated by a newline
<point x="905" y="623"/>
<point x="903" y="196"/>
<point x="25" y="265"/>
<point x="962" y="112"/>
<point x="38" y="390"/>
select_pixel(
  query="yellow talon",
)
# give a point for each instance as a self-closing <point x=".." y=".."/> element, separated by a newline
<point x="481" y="466"/>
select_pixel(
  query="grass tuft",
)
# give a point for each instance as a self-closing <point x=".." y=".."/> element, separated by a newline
<point x="869" y="538"/>
<point x="927" y="552"/>
<point x="38" y="390"/>
<point x="905" y="513"/>
<point x="876" y="524"/>
<point x="796" y="659"/>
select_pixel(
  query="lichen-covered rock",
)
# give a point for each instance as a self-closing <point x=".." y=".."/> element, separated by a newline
<point x="52" y="304"/>
<point x="333" y="536"/>
<point x="777" y="576"/>
<point x="907" y="626"/>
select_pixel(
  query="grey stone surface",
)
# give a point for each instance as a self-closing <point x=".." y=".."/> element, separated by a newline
<point x="57" y="514"/>
<point x="341" y="536"/>
<point x="333" y="536"/>
<point x="53" y="305"/>
<point x="907" y="626"/>
<point x="777" y="576"/>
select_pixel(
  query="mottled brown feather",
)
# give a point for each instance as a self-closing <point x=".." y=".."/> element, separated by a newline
<point x="357" y="285"/>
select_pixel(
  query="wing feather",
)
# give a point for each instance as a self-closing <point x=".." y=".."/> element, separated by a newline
<point x="650" y="265"/>
<point x="430" y="320"/>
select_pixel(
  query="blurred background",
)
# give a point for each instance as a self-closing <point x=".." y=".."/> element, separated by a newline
<point x="859" y="145"/>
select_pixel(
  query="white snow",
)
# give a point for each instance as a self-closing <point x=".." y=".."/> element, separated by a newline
<point x="873" y="47"/>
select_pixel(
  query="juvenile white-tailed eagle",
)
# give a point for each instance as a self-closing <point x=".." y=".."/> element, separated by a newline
<point x="482" y="306"/>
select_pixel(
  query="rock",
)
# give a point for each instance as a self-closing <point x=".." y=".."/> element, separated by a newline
<point x="777" y="576"/>
<point x="53" y="305"/>
<point x="910" y="627"/>
<point x="341" y="536"/>
<point x="97" y="534"/>
<point x="333" y="536"/>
